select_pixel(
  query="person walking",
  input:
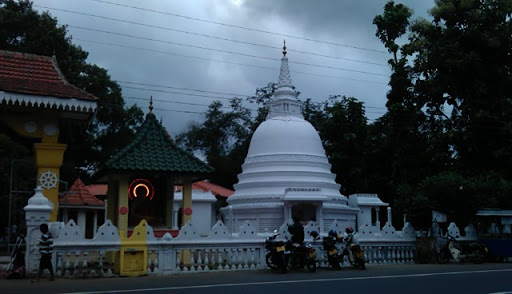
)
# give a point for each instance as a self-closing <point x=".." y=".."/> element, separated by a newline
<point x="46" y="251"/>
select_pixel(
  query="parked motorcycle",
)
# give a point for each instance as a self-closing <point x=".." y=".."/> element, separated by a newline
<point x="453" y="251"/>
<point x="330" y="250"/>
<point x="277" y="256"/>
<point x="355" y="255"/>
<point x="354" y="252"/>
<point x="302" y="256"/>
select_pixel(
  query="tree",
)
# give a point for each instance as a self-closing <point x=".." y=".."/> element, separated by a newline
<point x="23" y="29"/>
<point x="462" y="59"/>
<point x="460" y="62"/>
<point x="223" y="138"/>
<point x="405" y="142"/>
<point x="343" y="129"/>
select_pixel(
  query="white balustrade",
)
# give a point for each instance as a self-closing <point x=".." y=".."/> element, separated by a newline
<point x="189" y="253"/>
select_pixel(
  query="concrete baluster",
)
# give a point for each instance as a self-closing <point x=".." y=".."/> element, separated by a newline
<point x="200" y="259"/>
<point x="227" y="254"/>
<point x="241" y="258"/>
<point x="219" y="258"/>
<point x="100" y="262"/>
<point x="192" y="260"/>
<point x="68" y="264"/>
<point x="84" y="263"/>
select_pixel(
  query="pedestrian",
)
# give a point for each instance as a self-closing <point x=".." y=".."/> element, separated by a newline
<point x="46" y="250"/>
<point x="297" y="231"/>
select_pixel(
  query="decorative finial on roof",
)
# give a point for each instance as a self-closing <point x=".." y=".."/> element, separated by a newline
<point x="284" y="48"/>
<point x="150" y="103"/>
<point x="161" y="118"/>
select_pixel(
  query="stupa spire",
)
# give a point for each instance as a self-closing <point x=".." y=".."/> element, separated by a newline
<point x="150" y="103"/>
<point x="285" y="79"/>
<point x="285" y="102"/>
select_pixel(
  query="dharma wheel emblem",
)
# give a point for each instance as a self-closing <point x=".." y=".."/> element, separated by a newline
<point x="48" y="180"/>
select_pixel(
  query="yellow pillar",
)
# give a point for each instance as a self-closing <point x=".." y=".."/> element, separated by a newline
<point x="122" y="204"/>
<point x="49" y="160"/>
<point x="187" y="200"/>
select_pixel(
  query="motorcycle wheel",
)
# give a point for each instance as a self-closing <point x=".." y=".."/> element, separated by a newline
<point x="270" y="262"/>
<point x="334" y="263"/>
<point x="480" y="257"/>
<point x="362" y="264"/>
<point x="283" y="266"/>
<point x="311" y="265"/>
<point x="441" y="258"/>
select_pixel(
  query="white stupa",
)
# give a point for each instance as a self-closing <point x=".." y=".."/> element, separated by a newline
<point x="286" y="172"/>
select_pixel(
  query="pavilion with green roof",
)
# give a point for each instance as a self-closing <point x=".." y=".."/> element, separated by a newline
<point x="141" y="177"/>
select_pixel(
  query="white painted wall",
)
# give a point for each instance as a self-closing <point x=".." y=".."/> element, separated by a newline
<point x="203" y="209"/>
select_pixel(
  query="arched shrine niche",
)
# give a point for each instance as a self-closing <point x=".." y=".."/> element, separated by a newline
<point x="146" y="200"/>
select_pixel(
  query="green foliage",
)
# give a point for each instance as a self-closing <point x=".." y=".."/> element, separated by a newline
<point x="460" y="59"/>
<point x="222" y="138"/>
<point x="463" y="59"/>
<point x="343" y="128"/>
<point x="392" y="25"/>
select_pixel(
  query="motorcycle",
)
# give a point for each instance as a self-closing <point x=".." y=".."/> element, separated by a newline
<point x="302" y="256"/>
<point x="473" y="251"/>
<point x="355" y="255"/>
<point x="277" y="256"/>
<point x="331" y="252"/>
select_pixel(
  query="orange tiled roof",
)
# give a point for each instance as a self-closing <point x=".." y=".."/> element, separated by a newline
<point x="36" y="75"/>
<point x="207" y="186"/>
<point x="79" y="195"/>
<point x="97" y="189"/>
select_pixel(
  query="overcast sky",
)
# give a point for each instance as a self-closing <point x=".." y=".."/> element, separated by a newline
<point x="187" y="54"/>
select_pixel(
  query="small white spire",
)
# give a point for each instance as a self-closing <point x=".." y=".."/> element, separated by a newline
<point x="285" y="102"/>
<point x="285" y="79"/>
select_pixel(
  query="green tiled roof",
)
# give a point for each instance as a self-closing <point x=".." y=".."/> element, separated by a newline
<point x="153" y="150"/>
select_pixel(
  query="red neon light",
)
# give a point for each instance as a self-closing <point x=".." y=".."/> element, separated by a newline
<point x="135" y="184"/>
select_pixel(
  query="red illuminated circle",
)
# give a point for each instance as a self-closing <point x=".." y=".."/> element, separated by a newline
<point x="123" y="210"/>
<point x="141" y="188"/>
<point x="188" y="211"/>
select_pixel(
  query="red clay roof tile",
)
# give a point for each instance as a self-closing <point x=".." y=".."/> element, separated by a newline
<point x="207" y="186"/>
<point x="79" y="195"/>
<point x="36" y="75"/>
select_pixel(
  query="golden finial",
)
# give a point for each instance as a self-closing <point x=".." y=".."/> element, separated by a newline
<point x="284" y="48"/>
<point x="150" y="103"/>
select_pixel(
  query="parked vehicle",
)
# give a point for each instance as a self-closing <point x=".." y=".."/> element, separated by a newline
<point x="355" y="255"/>
<point x="454" y="251"/>
<point x="495" y="232"/>
<point x="331" y="251"/>
<point x="353" y="251"/>
<point x="277" y="256"/>
<point x="302" y="255"/>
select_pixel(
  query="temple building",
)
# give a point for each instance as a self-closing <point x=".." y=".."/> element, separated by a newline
<point x="80" y="205"/>
<point x="141" y="177"/>
<point x="39" y="105"/>
<point x="286" y="172"/>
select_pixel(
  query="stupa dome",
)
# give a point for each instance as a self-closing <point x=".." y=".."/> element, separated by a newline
<point x="286" y="134"/>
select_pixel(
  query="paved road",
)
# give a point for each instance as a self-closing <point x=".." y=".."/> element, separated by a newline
<point x="377" y="279"/>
